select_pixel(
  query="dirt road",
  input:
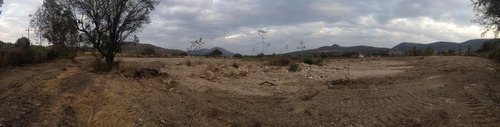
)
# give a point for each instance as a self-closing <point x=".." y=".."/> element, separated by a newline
<point x="435" y="91"/>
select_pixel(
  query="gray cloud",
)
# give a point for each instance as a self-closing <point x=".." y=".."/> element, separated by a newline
<point x="232" y="24"/>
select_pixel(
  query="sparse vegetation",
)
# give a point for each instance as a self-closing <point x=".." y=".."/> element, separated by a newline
<point x="235" y="65"/>
<point x="237" y="55"/>
<point x="148" y="51"/>
<point x="308" y="60"/>
<point x="22" y="53"/>
<point x="350" y="54"/>
<point x="188" y="63"/>
<point x="294" y="67"/>
<point x="491" y="49"/>
<point x="215" y="53"/>
<point x="279" y="62"/>
<point x="264" y="43"/>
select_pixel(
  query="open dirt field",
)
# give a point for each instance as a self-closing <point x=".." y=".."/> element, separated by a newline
<point x="407" y="91"/>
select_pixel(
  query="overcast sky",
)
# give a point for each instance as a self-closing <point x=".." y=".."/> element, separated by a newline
<point x="233" y="24"/>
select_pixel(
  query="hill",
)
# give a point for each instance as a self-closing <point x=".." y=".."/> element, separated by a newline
<point x="135" y="48"/>
<point x="205" y="51"/>
<point x="441" y="46"/>
<point x="338" y="50"/>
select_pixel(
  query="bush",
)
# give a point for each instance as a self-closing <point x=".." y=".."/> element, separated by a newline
<point x="279" y="62"/>
<point x="294" y="67"/>
<point x="308" y="60"/>
<point x="235" y="65"/>
<point x="100" y="65"/>
<point x="494" y="54"/>
<point x="237" y="55"/>
<point x="319" y="62"/>
<point x="188" y="63"/>
<point x="18" y="57"/>
<point x="260" y="55"/>
<point x="215" y="53"/>
<point x="148" y="51"/>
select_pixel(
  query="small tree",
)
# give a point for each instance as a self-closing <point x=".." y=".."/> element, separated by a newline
<point x="429" y="51"/>
<point x="148" y="51"/>
<point x="302" y="46"/>
<point x="237" y="55"/>
<point x="451" y="51"/>
<point x="196" y="45"/>
<point x="215" y="53"/>
<point x="22" y="43"/>
<point x="324" y="55"/>
<point x="264" y="43"/>
<point x="106" y="24"/>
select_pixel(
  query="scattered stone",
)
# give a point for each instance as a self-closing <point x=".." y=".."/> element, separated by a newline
<point x="163" y="70"/>
<point x="210" y="75"/>
<point x="167" y="81"/>
<point x="234" y="72"/>
<point x="313" y="112"/>
<point x="308" y="96"/>
<point x="244" y="72"/>
<point x="266" y="83"/>
<point x="163" y="122"/>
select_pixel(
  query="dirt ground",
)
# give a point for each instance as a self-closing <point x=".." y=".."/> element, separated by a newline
<point x="406" y="91"/>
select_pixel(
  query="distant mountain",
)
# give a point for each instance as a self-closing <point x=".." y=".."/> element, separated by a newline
<point x="338" y="50"/>
<point x="134" y="48"/>
<point x="205" y="51"/>
<point x="441" y="46"/>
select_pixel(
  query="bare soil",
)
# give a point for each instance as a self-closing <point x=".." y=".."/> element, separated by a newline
<point x="406" y="91"/>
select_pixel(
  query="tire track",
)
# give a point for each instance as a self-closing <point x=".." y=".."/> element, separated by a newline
<point x="480" y="113"/>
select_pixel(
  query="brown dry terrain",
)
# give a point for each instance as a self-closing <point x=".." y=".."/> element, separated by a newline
<point x="408" y="91"/>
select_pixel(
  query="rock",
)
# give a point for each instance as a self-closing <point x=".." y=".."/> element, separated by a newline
<point x="163" y="70"/>
<point x="163" y="122"/>
<point x="244" y="72"/>
<point x="313" y="112"/>
<point x="210" y="75"/>
<point x="234" y="72"/>
<point x="167" y="81"/>
<point x="310" y="77"/>
<point x="203" y="76"/>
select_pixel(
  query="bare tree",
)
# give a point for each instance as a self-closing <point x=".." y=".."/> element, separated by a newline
<point x="264" y="43"/>
<point x="196" y="45"/>
<point x="488" y="15"/>
<point x="302" y="46"/>
<point x="108" y="23"/>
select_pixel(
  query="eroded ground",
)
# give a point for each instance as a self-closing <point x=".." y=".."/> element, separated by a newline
<point x="435" y="91"/>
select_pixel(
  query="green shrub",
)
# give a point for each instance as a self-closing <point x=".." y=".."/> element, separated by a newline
<point x="100" y="65"/>
<point x="260" y="55"/>
<point x="282" y="62"/>
<point x="237" y="55"/>
<point x="188" y="63"/>
<point x="494" y="54"/>
<point x="279" y="62"/>
<point x="235" y="65"/>
<point x="294" y="67"/>
<point x="319" y="62"/>
<point x="308" y="60"/>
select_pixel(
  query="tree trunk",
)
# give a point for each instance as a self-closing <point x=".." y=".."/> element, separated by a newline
<point x="109" y="62"/>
